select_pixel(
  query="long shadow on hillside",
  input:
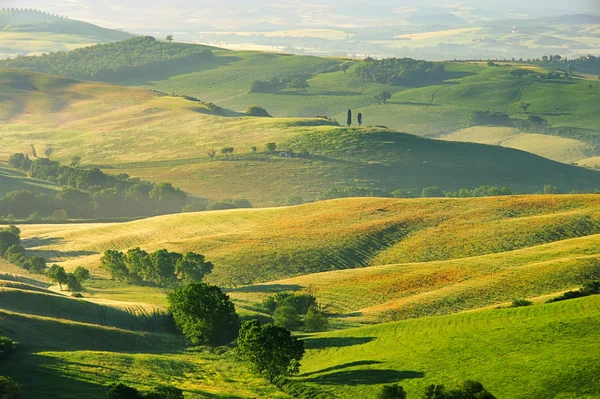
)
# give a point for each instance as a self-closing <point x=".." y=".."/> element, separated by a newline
<point x="343" y="366"/>
<point x="54" y="256"/>
<point x="323" y="343"/>
<point x="320" y="93"/>
<point x="365" y="377"/>
<point x="267" y="288"/>
<point x="41" y="241"/>
<point x="40" y="377"/>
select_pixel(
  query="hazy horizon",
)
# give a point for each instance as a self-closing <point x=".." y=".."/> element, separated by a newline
<point x="138" y="15"/>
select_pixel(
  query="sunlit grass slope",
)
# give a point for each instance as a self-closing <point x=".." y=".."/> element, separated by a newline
<point x="163" y="138"/>
<point x="401" y="291"/>
<point x="545" y="351"/>
<point x="268" y="244"/>
<point x="72" y="348"/>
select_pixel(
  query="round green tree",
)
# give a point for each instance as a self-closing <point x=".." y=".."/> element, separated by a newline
<point x="270" y="350"/>
<point x="204" y="314"/>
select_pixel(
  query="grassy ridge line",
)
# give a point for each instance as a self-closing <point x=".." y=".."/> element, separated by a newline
<point x="414" y="290"/>
<point x="543" y="351"/>
<point x="89" y="121"/>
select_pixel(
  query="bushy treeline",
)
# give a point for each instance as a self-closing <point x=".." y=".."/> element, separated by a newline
<point x="296" y="82"/>
<point x="89" y="193"/>
<point x="590" y="288"/>
<point x="122" y="391"/>
<point x="114" y="61"/>
<point x="466" y="390"/>
<point x="401" y="71"/>
<point x="12" y="250"/>
<point x="427" y="192"/>
<point x="160" y="267"/>
<point x="293" y="311"/>
<point x="8" y="387"/>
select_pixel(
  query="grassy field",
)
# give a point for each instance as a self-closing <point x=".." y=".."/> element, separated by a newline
<point x="165" y="138"/>
<point x="546" y="351"/>
<point x="475" y="250"/>
<point x="74" y="348"/>
<point x="541" y="351"/>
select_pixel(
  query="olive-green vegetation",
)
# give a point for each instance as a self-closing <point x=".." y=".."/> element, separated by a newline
<point x="178" y="134"/>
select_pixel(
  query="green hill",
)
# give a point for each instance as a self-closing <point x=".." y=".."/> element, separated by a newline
<point x="166" y="138"/>
<point x="12" y="180"/>
<point x="27" y="32"/>
<point x="546" y="351"/>
<point x="436" y="106"/>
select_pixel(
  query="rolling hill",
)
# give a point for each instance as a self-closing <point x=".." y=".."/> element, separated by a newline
<point x="31" y="32"/>
<point x="161" y="137"/>
<point x="433" y="109"/>
<point x="410" y="257"/>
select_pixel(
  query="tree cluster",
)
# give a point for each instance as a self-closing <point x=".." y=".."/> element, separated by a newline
<point x="89" y="193"/>
<point x="293" y="311"/>
<point x="466" y="390"/>
<point x="426" y="192"/>
<point x="12" y="250"/>
<point x="256" y="110"/>
<point x="297" y="82"/>
<point x="74" y="281"/>
<point x="122" y="391"/>
<point x="114" y="61"/>
<point x="401" y="71"/>
<point x="590" y="288"/>
<point x="160" y="267"/>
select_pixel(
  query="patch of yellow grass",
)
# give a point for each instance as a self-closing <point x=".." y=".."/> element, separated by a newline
<point x="439" y="34"/>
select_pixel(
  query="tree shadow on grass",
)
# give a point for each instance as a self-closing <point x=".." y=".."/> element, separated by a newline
<point x="40" y="377"/>
<point x="322" y="343"/>
<point x="267" y="288"/>
<point x="343" y="366"/>
<point x="365" y="377"/>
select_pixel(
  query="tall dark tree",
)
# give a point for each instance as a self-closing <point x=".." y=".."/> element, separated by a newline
<point x="58" y="275"/>
<point x="359" y="119"/>
<point x="349" y="119"/>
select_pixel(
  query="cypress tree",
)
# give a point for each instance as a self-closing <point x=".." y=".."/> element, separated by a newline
<point x="349" y="120"/>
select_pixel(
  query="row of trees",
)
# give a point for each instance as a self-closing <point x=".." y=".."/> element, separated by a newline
<point x="466" y="390"/>
<point x="426" y="192"/>
<point x="160" y="267"/>
<point x="74" y="281"/>
<point x="12" y="250"/>
<point x="401" y="71"/>
<point x="298" y="83"/>
<point x="359" y="118"/>
<point x="114" y="61"/>
<point x="89" y="192"/>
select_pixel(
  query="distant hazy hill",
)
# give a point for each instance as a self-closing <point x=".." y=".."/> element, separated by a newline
<point x="25" y="32"/>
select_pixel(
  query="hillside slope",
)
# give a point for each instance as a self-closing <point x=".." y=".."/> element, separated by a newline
<point x="547" y="351"/>
<point x="29" y="32"/>
<point x="268" y="244"/>
<point x="165" y="138"/>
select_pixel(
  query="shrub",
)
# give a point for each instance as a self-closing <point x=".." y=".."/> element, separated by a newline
<point x="73" y="283"/>
<point x="7" y="348"/>
<point x="520" y="303"/>
<point x="287" y="317"/>
<point x="293" y="200"/>
<point x="315" y="321"/>
<point x="402" y="193"/>
<point x="9" y="389"/>
<point x="122" y="391"/>
<point x="255" y="110"/>
<point x="432" y="192"/>
<point x="392" y="392"/>
<point x="165" y="392"/>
